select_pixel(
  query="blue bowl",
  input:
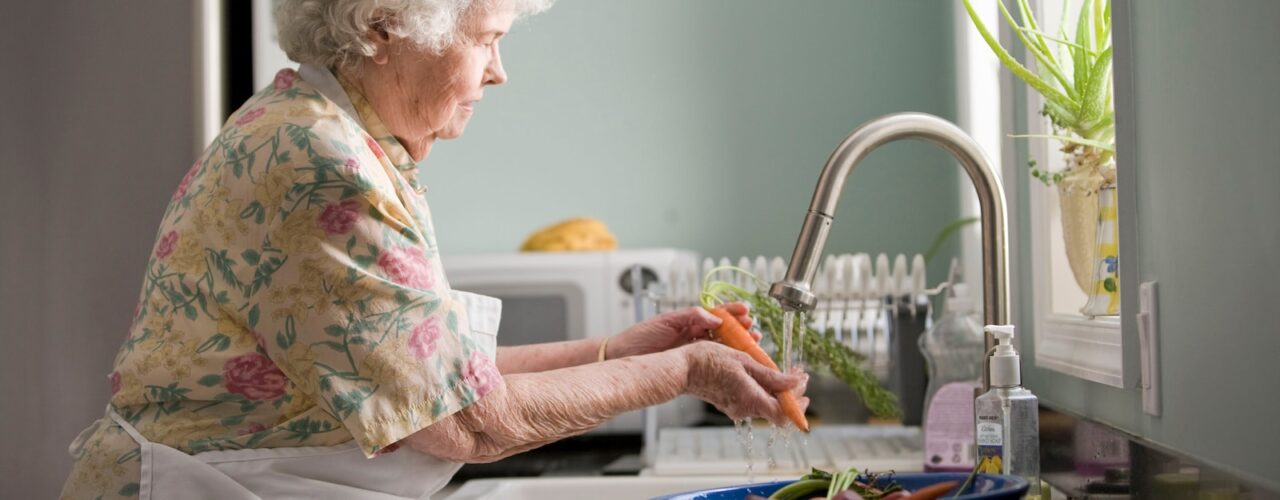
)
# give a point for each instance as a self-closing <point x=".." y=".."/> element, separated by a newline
<point x="984" y="486"/>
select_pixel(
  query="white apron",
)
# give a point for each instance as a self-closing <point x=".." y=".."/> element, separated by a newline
<point x="314" y="472"/>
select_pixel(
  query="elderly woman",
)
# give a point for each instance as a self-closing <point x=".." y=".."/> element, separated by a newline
<point x="296" y="335"/>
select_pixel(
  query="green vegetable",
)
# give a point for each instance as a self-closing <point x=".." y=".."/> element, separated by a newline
<point x="967" y="482"/>
<point x="821" y="349"/>
<point x="804" y="488"/>
<point x="819" y="482"/>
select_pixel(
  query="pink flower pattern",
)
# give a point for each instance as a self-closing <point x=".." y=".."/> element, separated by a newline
<point x="481" y="374"/>
<point x="422" y="342"/>
<point x="253" y="428"/>
<point x="167" y="244"/>
<point x="284" y="79"/>
<point x="407" y="266"/>
<point x="377" y="150"/>
<point x="250" y="116"/>
<point x="186" y="180"/>
<point x="254" y="376"/>
<point x="115" y="382"/>
<point x="338" y="218"/>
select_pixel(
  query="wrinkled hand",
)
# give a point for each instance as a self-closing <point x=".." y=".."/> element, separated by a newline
<point x="671" y="330"/>
<point x="739" y="386"/>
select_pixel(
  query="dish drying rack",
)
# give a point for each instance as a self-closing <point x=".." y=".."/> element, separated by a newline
<point x="857" y="295"/>
<point x="878" y="306"/>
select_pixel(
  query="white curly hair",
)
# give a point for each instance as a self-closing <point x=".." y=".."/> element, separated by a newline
<point x="330" y="33"/>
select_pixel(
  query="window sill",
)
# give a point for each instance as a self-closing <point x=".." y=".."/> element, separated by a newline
<point x="1081" y="347"/>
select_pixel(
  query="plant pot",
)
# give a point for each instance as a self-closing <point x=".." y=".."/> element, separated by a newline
<point x="1079" y="211"/>
<point x="1104" y="286"/>
<point x="1086" y="198"/>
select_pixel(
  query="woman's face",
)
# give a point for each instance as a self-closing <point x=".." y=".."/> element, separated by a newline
<point x="422" y="96"/>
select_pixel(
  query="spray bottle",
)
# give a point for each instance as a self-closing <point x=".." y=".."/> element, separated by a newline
<point x="1008" y="416"/>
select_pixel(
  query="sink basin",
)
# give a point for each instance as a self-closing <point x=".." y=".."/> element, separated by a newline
<point x="610" y="487"/>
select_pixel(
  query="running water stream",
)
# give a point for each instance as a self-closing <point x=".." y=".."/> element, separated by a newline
<point x="792" y="356"/>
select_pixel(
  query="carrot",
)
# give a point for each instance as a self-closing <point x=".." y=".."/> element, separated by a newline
<point x="733" y="334"/>
<point x="934" y="491"/>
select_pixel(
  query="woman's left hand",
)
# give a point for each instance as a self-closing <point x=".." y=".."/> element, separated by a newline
<point x="673" y="329"/>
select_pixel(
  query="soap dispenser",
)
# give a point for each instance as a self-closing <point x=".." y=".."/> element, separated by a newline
<point x="1008" y="416"/>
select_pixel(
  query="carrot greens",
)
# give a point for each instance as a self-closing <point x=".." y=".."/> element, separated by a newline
<point x="821" y="349"/>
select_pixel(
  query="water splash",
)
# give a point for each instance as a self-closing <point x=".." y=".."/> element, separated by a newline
<point x="746" y="438"/>
<point x="773" y="439"/>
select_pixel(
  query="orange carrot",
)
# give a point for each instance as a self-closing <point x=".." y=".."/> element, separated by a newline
<point x="733" y="334"/>
<point x="934" y="491"/>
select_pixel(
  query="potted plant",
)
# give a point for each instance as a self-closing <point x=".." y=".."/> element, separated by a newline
<point x="1075" y="82"/>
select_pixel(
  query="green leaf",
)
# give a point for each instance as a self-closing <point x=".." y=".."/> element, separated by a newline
<point x="1074" y="140"/>
<point x="250" y="257"/>
<point x="189" y="311"/>
<point x="1017" y="68"/>
<point x="363" y="261"/>
<point x="1042" y="55"/>
<point x="1109" y="285"/>
<point x="210" y="380"/>
<point x="336" y="346"/>
<point x="451" y="321"/>
<point x="944" y="234"/>
<point x="253" y="316"/>
<point x="232" y="420"/>
<point x="1080" y="58"/>
<point x="335" y="330"/>
<point x="218" y="342"/>
<point x="129" y="490"/>
<point x="1093" y="100"/>
<point x="283" y="341"/>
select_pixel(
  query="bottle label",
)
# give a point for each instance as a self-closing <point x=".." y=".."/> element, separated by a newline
<point x="990" y="440"/>
<point x="948" y="433"/>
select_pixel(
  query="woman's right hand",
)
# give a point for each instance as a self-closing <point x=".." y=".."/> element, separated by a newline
<point x="739" y="386"/>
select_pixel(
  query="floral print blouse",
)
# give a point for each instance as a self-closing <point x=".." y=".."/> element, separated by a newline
<point x="294" y="297"/>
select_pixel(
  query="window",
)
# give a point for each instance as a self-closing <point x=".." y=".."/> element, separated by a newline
<point x="1066" y="340"/>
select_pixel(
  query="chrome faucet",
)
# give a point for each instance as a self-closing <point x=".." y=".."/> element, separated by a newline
<point x="793" y="292"/>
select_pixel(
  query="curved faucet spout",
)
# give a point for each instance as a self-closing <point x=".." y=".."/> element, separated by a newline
<point x="793" y="292"/>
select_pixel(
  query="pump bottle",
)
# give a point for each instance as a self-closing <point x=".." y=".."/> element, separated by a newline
<point x="1007" y="416"/>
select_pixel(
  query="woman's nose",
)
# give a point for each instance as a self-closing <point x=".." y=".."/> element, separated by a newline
<point x="495" y="74"/>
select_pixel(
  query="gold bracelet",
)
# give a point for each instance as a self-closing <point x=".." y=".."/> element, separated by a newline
<point x="603" y="345"/>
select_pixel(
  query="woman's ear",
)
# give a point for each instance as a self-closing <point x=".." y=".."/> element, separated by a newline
<point x="381" y="40"/>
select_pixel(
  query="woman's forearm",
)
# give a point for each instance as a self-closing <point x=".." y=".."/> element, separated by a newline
<point x="548" y="356"/>
<point x="532" y="409"/>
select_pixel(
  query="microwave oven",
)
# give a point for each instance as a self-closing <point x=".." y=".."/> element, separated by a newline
<point x="556" y="296"/>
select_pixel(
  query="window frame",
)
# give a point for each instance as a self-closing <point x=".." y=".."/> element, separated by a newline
<point x="1073" y="344"/>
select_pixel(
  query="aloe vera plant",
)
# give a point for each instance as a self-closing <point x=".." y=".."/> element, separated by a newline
<point x="1074" y="79"/>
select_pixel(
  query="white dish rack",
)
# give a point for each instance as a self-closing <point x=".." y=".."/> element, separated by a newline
<point x="856" y="294"/>
<point x="862" y="299"/>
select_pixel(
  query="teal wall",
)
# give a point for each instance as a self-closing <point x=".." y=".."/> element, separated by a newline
<point x="1201" y="143"/>
<point x="702" y="125"/>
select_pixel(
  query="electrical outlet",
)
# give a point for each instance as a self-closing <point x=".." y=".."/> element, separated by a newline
<point x="1149" y="345"/>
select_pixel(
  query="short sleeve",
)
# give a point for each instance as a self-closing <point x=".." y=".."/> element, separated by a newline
<point x="348" y="296"/>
